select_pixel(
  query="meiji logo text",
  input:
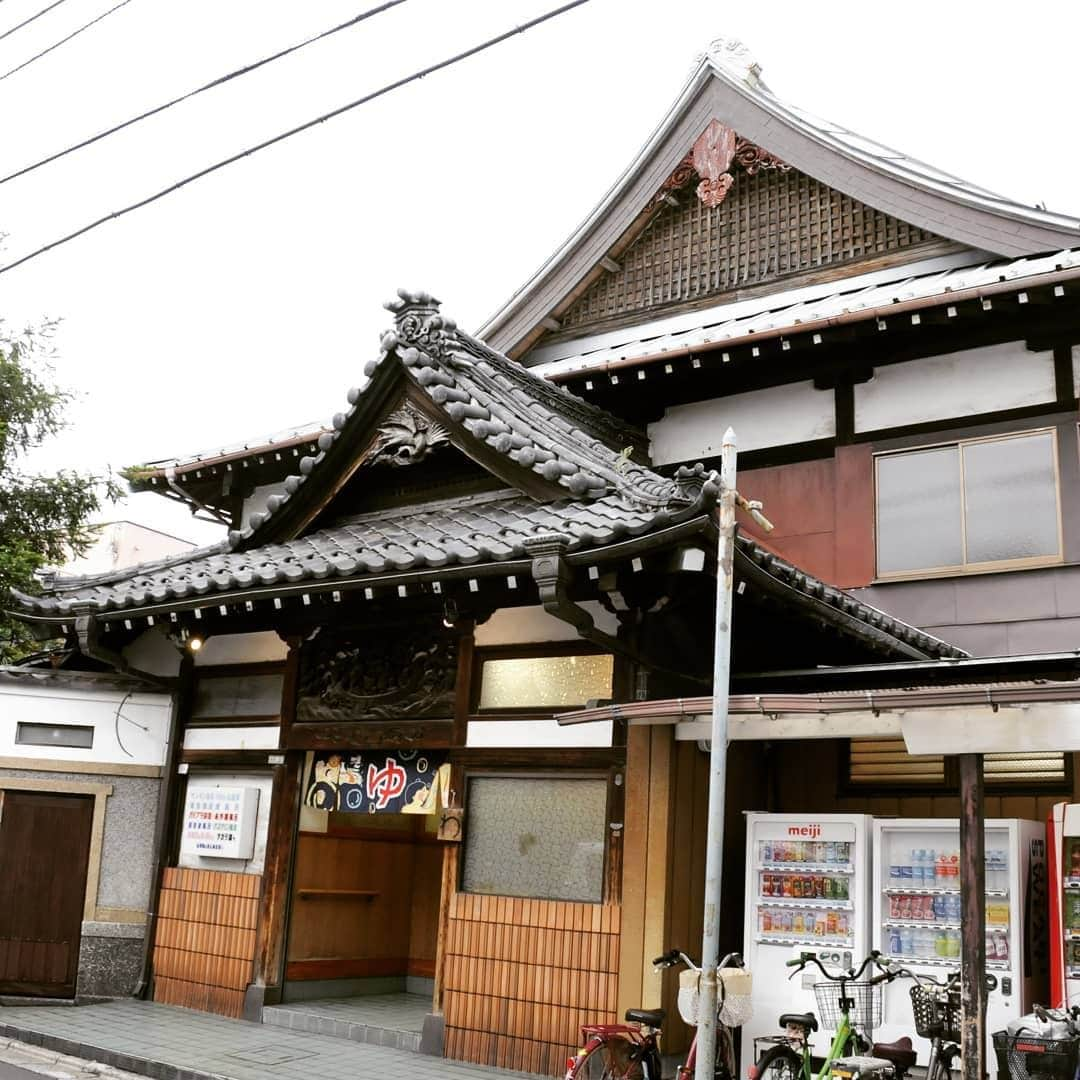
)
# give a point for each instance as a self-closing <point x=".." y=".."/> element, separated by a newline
<point x="809" y="831"/>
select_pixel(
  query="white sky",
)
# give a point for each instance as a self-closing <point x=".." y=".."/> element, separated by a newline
<point x="250" y="301"/>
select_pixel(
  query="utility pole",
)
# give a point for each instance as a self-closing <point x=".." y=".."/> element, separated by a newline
<point x="714" y="838"/>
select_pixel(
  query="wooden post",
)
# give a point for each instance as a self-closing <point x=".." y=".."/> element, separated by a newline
<point x="972" y="917"/>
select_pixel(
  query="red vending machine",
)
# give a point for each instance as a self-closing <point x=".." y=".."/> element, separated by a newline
<point x="1063" y="846"/>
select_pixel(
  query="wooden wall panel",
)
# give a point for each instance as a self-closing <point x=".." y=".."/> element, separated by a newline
<point x="521" y="976"/>
<point x="823" y="511"/>
<point x="352" y="906"/>
<point x="205" y="939"/>
<point x="424" y="915"/>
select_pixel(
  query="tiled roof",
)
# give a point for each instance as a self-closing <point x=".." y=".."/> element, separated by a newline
<point x="726" y="84"/>
<point x="525" y="424"/>
<point x="457" y="536"/>
<point x="452" y="534"/>
<point x="800" y="310"/>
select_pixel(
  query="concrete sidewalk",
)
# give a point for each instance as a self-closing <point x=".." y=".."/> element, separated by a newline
<point x="170" y="1043"/>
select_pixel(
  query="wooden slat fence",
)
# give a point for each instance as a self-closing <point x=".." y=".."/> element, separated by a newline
<point x="521" y="976"/>
<point x="205" y="940"/>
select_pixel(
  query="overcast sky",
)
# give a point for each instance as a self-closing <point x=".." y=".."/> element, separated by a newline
<point x="250" y="301"/>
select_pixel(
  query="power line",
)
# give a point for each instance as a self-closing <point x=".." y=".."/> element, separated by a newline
<point x="26" y="22"/>
<point x="381" y="92"/>
<point x="64" y="40"/>
<point x="193" y="93"/>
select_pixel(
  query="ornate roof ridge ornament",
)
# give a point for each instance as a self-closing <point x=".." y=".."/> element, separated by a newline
<point x="407" y="437"/>
<point x="733" y="57"/>
<point x="418" y="326"/>
<point x="715" y="154"/>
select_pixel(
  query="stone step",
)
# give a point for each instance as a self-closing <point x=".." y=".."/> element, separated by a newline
<point x="305" y="1019"/>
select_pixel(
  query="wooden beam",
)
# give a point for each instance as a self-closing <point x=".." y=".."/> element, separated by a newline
<point x="372" y="735"/>
<point x="635" y="857"/>
<point x="656" y="869"/>
<point x="972" y="917"/>
<point x="271" y="929"/>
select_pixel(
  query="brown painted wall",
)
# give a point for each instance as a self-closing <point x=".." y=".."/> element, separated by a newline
<point x="823" y="511"/>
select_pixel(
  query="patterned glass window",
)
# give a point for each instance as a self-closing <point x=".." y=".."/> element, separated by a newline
<point x="970" y="505"/>
<point x="537" y="682"/>
<point x="535" y="836"/>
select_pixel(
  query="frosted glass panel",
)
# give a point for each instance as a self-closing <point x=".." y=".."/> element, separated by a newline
<point x="535" y="837"/>
<point x="533" y="682"/>
<point x="919" y="510"/>
<point x="1010" y="493"/>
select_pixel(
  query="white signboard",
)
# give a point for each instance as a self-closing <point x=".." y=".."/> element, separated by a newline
<point x="219" y="822"/>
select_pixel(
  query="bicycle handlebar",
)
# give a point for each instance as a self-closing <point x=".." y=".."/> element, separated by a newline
<point x="674" y="956"/>
<point x="851" y="974"/>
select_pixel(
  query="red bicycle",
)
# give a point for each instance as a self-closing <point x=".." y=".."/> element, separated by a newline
<point x="631" y="1051"/>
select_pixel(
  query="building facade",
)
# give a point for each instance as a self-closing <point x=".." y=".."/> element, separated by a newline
<point x="502" y="528"/>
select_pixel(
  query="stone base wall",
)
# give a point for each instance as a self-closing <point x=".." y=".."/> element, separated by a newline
<point x="110" y="959"/>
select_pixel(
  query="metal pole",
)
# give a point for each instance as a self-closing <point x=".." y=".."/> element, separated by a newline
<point x="714" y="836"/>
<point x="972" y="918"/>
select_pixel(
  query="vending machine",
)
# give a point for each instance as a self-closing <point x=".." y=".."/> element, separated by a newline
<point x="1063" y="851"/>
<point x="916" y="914"/>
<point x="807" y="890"/>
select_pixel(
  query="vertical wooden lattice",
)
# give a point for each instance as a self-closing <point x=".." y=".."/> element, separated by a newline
<point x="771" y="225"/>
<point x="205" y="940"/>
<point x="522" y="976"/>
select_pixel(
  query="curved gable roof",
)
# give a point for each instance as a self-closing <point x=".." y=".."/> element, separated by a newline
<point x="726" y="85"/>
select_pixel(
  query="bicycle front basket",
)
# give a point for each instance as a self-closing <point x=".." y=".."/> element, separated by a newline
<point x="1028" y="1057"/>
<point x="864" y="1004"/>
<point x="935" y="1012"/>
<point x="689" y="996"/>
<point x="736" y="1004"/>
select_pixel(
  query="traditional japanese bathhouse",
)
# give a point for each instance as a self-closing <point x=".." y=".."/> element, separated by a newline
<point x="504" y="527"/>
<point x="369" y="791"/>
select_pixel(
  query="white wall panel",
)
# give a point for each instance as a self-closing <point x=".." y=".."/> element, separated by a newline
<point x="537" y="733"/>
<point x="956" y="384"/>
<point x="262" y="647"/>
<point x="531" y="625"/>
<point x="232" y="738"/>
<point x="128" y="729"/>
<point x="775" y="416"/>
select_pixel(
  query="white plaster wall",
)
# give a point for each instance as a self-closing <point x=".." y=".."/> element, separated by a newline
<point x="128" y="730"/>
<point x="264" y="783"/>
<point x="119" y="544"/>
<point x="256" y="501"/>
<point x="259" y="648"/>
<point x="775" y="416"/>
<point x="530" y="625"/>
<point x="529" y="733"/>
<point x="229" y="738"/>
<point x="153" y="653"/>
<point x="956" y="384"/>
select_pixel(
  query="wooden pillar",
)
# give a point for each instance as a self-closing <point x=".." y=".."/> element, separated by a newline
<point x="973" y="917"/>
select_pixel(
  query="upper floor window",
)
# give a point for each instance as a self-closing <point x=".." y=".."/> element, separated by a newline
<point x="976" y="504"/>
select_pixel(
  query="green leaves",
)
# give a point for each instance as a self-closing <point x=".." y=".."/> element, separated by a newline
<point x="43" y="518"/>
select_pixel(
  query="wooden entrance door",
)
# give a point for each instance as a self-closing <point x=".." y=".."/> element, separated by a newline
<point x="44" y="851"/>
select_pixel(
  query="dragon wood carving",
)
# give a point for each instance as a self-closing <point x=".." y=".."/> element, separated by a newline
<point x="384" y="673"/>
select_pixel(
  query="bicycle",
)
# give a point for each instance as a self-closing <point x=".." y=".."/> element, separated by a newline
<point x="1046" y="1050"/>
<point x="852" y="1011"/>
<point x="631" y="1051"/>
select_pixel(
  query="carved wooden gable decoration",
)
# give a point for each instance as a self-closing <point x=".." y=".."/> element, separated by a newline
<point x="400" y="673"/>
<point x="731" y="216"/>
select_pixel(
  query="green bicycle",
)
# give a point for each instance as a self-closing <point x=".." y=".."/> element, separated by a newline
<point x="848" y="1003"/>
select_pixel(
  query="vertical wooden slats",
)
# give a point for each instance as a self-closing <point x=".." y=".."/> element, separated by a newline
<point x="770" y="225"/>
<point x="205" y="940"/>
<point x="521" y="976"/>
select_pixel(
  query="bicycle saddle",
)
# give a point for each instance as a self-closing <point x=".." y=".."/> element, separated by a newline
<point x="653" y="1018"/>
<point x="803" y="1020"/>
<point x="899" y="1052"/>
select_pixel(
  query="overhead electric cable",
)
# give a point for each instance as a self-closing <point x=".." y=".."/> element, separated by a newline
<point x="64" y="40"/>
<point x="201" y="89"/>
<point x="26" y="22"/>
<point x="381" y="92"/>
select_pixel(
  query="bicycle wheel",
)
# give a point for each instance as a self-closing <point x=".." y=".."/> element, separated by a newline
<point x="778" y="1063"/>
<point x="725" y="1067"/>
<point x="611" y="1059"/>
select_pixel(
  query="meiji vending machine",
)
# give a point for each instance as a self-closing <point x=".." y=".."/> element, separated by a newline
<point x="1063" y="844"/>
<point x="916" y="918"/>
<point x="807" y="881"/>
